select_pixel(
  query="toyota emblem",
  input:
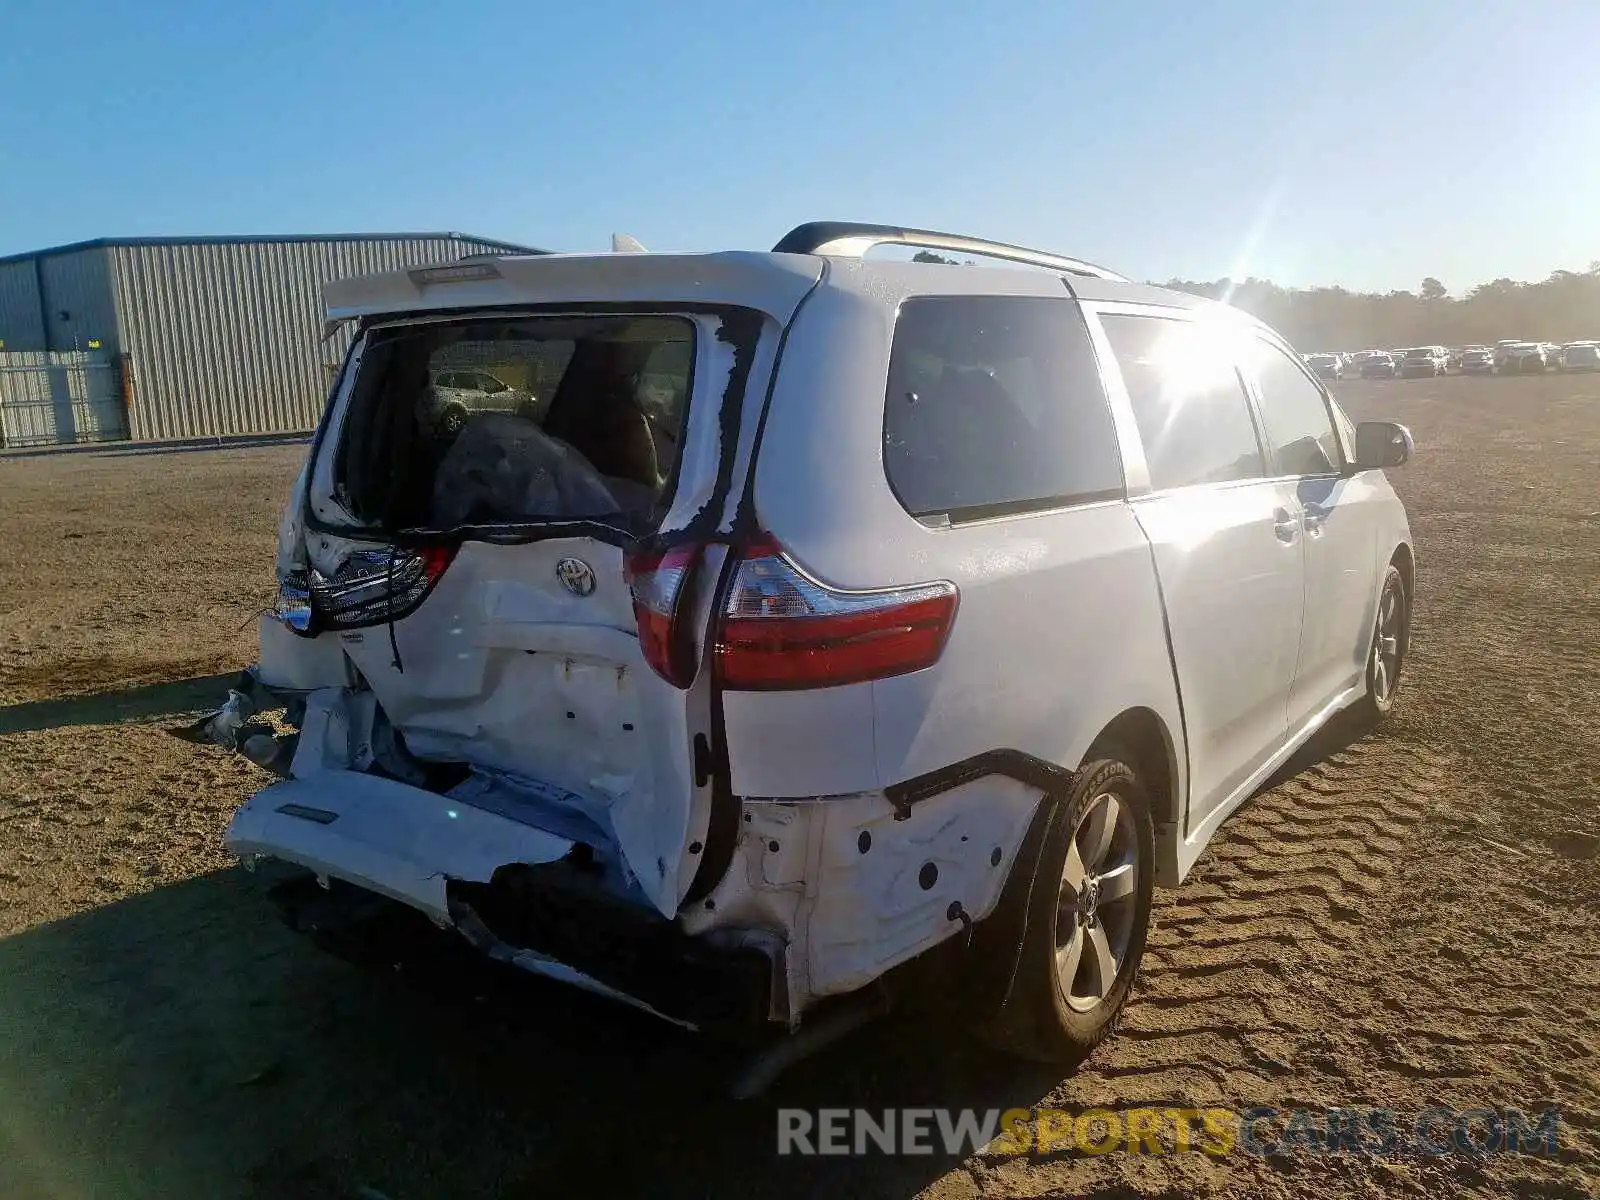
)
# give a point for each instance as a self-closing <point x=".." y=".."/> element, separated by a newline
<point x="576" y="576"/>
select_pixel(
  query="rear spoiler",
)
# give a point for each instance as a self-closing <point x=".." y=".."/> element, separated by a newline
<point x="768" y="283"/>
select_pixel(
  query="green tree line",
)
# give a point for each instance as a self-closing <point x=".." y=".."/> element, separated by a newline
<point x="1563" y="308"/>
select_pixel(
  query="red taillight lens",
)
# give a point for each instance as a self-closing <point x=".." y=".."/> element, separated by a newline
<point x="782" y="630"/>
<point x="372" y="587"/>
<point x="659" y="581"/>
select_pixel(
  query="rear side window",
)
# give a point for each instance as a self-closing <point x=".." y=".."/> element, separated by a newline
<point x="995" y="405"/>
<point x="1295" y="415"/>
<point x="1188" y="401"/>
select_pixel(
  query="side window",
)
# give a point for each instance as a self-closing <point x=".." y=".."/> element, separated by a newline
<point x="488" y="383"/>
<point x="994" y="403"/>
<point x="1297" y="426"/>
<point x="1188" y="401"/>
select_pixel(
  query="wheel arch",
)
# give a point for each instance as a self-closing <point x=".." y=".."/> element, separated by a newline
<point x="988" y="960"/>
<point x="1141" y="734"/>
<point x="1405" y="559"/>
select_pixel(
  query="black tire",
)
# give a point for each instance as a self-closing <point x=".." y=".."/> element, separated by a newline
<point x="452" y="420"/>
<point x="1038" y="1021"/>
<point x="1378" y="703"/>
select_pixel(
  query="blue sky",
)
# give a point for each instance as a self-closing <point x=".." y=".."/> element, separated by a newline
<point x="1366" y="144"/>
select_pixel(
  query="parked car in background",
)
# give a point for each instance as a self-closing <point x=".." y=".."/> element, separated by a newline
<point x="1423" y="360"/>
<point x="1477" y="361"/>
<point x="1530" y="358"/>
<point x="1326" y="366"/>
<point x="1378" y="365"/>
<point x="455" y="395"/>
<point x="1505" y="350"/>
<point x="1580" y="356"/>
<point x="766" y="731"/>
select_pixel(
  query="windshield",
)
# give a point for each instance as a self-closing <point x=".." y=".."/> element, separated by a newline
<point x="508" y="420"/>
<point x="1420" y="352"/>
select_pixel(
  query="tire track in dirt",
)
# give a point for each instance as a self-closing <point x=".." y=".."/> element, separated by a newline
<point x="1246" y="960"/>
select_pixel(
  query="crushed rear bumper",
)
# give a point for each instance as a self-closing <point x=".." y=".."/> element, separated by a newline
<point x="697" y="987"/>
<point x="387" y="866"/>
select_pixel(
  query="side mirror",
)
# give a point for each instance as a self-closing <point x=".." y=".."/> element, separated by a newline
<point x="1381" y="444"/>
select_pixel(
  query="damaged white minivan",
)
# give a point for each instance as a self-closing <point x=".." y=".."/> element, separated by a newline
<point x="815" y="623"/>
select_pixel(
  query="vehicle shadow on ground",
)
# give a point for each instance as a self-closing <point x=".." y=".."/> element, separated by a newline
<point x="116" y="707"/>
<point x="183" y="1043"/>
<point x="1343" y="730"/>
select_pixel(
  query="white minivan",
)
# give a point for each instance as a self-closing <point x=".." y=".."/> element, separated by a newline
<point x="832" y="620"/>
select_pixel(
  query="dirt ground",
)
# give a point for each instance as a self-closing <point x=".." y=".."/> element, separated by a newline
<point x="1412" y="919"/>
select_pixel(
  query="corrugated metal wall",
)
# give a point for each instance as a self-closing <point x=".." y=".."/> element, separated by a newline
<point x="55" y="397"/>
<point x="79" y="308"/>
<point x="225" y="337"/>
<point x="19" y="307"/>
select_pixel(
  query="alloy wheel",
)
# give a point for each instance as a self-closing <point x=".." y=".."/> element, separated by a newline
<point x="1097" y="904"/>
<point x="1386" y="645"/>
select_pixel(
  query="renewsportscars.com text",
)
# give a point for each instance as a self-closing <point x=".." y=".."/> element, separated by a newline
<point x="1217" y="1131"/>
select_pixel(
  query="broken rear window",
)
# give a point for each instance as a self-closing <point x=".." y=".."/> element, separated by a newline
<point x="484" y="421"/>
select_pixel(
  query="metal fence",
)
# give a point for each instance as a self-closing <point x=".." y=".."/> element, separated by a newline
<point x="60" y="397"/>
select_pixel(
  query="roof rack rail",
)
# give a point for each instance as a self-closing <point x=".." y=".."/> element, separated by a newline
<point x="852" y="239"/>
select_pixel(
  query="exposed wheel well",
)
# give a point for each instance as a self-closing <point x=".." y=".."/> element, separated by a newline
<point x="1139" y="732"/>
<point x="1403" y="559"/>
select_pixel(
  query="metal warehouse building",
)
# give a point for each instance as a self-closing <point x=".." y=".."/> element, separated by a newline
<point x="154" y="338"/>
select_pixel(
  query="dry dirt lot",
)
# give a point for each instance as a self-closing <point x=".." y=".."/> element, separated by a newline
<point x="1410" y="920"/>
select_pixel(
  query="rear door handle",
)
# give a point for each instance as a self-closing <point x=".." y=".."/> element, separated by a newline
<point x="1284" y="524"/>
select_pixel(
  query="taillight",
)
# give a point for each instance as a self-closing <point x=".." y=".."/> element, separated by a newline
<point x="374" y="587"/>
<point x="293" y="606"/>
<point x="659" y="581"/>
<point x="782" y="630"/>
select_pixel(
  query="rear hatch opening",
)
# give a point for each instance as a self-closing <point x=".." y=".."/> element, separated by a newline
<point x="470" y="510"/>
<point x="583" y="422"/>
